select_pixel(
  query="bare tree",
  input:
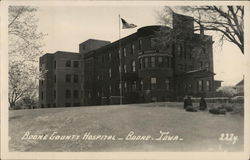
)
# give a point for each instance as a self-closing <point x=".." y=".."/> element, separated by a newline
<point x="228" y="21"/>
<point x="25" y="47"/>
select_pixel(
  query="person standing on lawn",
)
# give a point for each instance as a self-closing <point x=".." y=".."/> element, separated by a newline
<point x="203" y="104"/>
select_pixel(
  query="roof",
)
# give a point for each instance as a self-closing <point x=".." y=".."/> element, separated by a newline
<point x="198" y="73"/>
<point x="241" y="83"/>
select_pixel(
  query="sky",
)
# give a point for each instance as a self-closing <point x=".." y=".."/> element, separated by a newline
<point x="67" y="26"/>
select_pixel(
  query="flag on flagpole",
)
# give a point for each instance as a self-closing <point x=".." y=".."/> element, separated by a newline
<point x="126" y="25"/>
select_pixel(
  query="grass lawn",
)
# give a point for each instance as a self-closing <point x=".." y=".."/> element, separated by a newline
<point x="197" y="131"/>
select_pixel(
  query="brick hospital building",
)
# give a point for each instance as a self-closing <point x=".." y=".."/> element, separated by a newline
<point x="156" y="63"/>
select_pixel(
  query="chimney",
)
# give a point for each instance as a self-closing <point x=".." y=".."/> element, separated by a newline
<point x="201" y="30"/>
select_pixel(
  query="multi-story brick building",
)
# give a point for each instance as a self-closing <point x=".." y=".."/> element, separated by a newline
<point x="62" y="83"/>
<point x="155" y="63"/>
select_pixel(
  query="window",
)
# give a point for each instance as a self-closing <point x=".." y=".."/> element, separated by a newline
<point x="119" y="68"/>
<point x="185" y="88"/>
<point x="120" y="85"/>
<point x="68" y="78"/>
<point x="98" y="94"/>
<point x="167" y="84"/>
<point x="42" y="95"/>
<point x="178" y="49"/>
<point x="152" y="62"/>
<point x="132" y="49"/>
<point x="55" y="64"/>
<point x="208" y="86"/>
<point x="110" y="89"/>
<point x="190" y="87"/>
<point x="109" y="72"/>
<point x="200" y="85"/>
<point x="153" y="83"/>
<point x="124" y="52"/>
<point x="76" y="78"/>
<point x="67" y="93"/>
<point x="133" y="66"/>
<point x="160" y="62"/>
<point x="54" y="94"/>
<point x="119" y="54"/>
<point x="42" y="105"/>
<point x="68" y="63"/>
<point x="153" y="42"/>
<point x="191" y="67"/>
<point x="134" y="86"/>
<point x="41" y="82"/>
<point x="109" y="56"/>
<point x="76" y="64"/>
<point x="186" y="67"/>
<point x="140" y="44"/>
<point x="146" y="62"/>
<point x="140" y="62"/>
<point x="169" y="62"/>
<point x="103" y="59"/>
<point x="180" y="67"/>
<point x="201" y="64"/>
<point x="98" y="77"/>
<point x="125" y="68"/>
<point x="141" y="85"/>
<point x="125" y="86"/>
<point x="54" y="78"/>
<point x="76" y="94"/>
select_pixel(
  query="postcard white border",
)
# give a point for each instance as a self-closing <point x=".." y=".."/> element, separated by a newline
<point x="5" y="154"/>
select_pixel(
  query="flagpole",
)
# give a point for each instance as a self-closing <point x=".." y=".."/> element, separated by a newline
<point x="120" y="59"/>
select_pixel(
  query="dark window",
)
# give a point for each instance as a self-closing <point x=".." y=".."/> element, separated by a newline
<point x="55" y="78"/>
<point x="76" y="94"/>
<point x="54" y="64"/>
<point x="152" y="62"/>
<point x="146" y="62"/>
<point x="169" y="62"/>
<point x="67" y="94"/>
<point x="54" y="105"/>
<point x="41" y="82"/>
<point x="140" y="61"/>
<point x="68" y="63"/>
<point x="54" y="94"/>
<point x="153" y="83"/>
<point x="48" y="105"/>
<point x="208" y="84"/>
<point x="42" y="95"/>
<point x="201" y="64"/>
<point x="103" y="59"/>
<point x="76" y="79"/>
<point x="160" y="62"/>
<point x="153" y="42"/>
<point x="134" y="86"/>
<point x="42" y="105"/>
<point x="68" y="78"/>
<point x="140" y="44"/>
<point x="167" y="84"/>
<point x="76" y="64"/>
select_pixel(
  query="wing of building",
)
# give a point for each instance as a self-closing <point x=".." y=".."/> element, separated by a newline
<point x="156" y="63"/>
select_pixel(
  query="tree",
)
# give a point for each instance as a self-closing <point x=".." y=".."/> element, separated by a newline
<point x="227" y="91"/>
<point x="228" y="21"/>
<point x="25" y="47"/>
